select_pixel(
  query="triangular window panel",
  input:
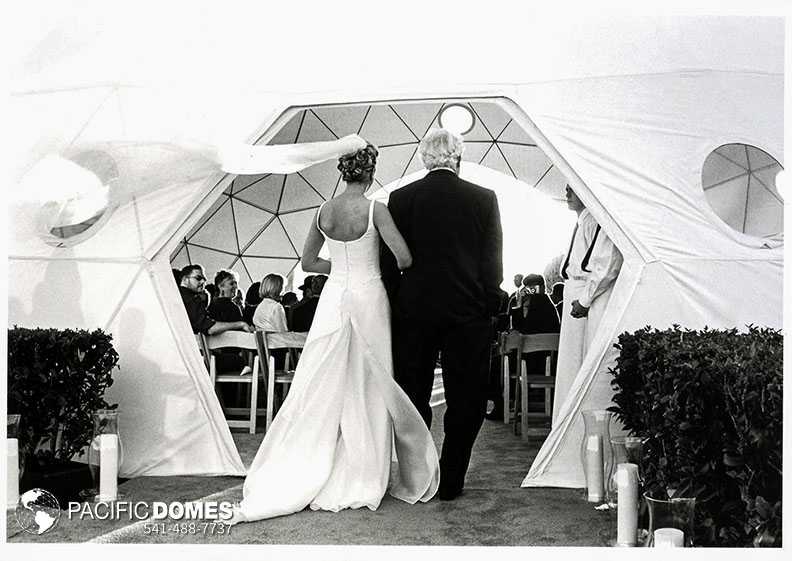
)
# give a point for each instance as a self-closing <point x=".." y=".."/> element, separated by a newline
<point x="759" y="158"/>
<point x="297" y="225"/>
<point x="553" y="184"/>
<point x="515" y="133"/>
<point x="728" y="202"/>
<point x="260" y="267"/>
<point x="418" y="116"/>
<point x="212" y="261"/>
<point x="298" y="194"/>
<point x="392" y="162"/>
<point x="495" y="160"/>
<point x="735" y="153"/>
<point x="382" y="126"/>
<point x="478" y="132"/>
<point x="718" y="169"/>
<point x="765" y="212"/>
<point x="264" y="194"/>
<point x="272" y="242"/>
<point x="492" y="116"/>
<point x="767" y="178"/>
<point x="527" y="163"/>
<point x="221" y="200"/>
<point x="416" y="164"/>
<point x="288" y="134"/>
<point x="180" y="259"/>
<point x="218" y="231"/>
<point x="313" y="130"/>
<point x="322" y="177"/>
<point x="342" y="120"/>
<point x="249" y="221"/>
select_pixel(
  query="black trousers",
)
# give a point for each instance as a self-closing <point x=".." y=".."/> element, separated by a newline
<point x="465" y="356"/>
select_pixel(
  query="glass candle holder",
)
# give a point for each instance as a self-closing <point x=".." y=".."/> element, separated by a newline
<point x="626" y="450"/>
<point x="675" y="513"/>
<point x="105" y="455"/>
<point x="595" y="453"/>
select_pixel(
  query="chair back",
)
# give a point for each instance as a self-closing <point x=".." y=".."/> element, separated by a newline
<point x="232" y="339"/>
<point x="539" y="342"/>
<point x="510" y="341"/>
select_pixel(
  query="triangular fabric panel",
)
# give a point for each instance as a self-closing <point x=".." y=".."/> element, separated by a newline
<point x="180" y="259"/>
<point x="212" y="261"/>
<point x="718" y="169"/>
<point x="553" y="184"/>
<point x="392" y="162"/>
<point x="527" y="163"/>
<point x="728" y="201"/>
<point x="218" y="231"/>
<point x="475" y="151"/>
<point x="418" y="116"/>
<point x="313" y="130"/>
<point x="260" y="267"/>
<point x="382" y="126"/>
<point x="495" y="160"/>
<point x="288" y="134"/>
<point x="221" y="200"/>
<point x="479" y="131"/>
<point x="735" y="153"/>
<point x="272" y="242"/>
<point x="265" y="194"/>
<point x="322" y="177"/>
<point x="297" y="225"/>
<point x="767" y="177"/>
<point x="493" y="117"/>
<point x="298" y="194"/>
<point x="242" y="182"/>
<point x="342" y="120"/>
<point x="416" y="164"/>
<point x="515" y="133"/>
<point x="759" y="158"/>
<point x="249" y="221"/>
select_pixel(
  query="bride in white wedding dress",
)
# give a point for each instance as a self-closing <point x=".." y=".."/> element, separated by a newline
<point x="346" y="432"/>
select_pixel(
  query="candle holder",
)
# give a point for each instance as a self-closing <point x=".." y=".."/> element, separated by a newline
<point x="671" y="513"/>
<point x="105" y="455"/>
<point x="626" y="450"/>
<point x="596" y="436"/>
<point x="14" y="469"/>
<point x="624" y="506"/>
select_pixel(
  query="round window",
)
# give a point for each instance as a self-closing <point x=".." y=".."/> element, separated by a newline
<point x="739" y="182"/>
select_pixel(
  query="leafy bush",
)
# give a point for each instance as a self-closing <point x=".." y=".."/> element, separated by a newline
<point x="56" y="380"/>
<point x="709" y="405"/>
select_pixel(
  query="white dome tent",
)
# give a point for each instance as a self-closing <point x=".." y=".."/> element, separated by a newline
<point x="630" y="126"/>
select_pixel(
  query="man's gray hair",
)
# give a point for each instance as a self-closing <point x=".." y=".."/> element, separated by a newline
<point x="441" y="148"/>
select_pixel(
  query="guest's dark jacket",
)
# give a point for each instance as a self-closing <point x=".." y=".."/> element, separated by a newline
<point x="195" y="305"/>
<point x="539" y="316"/>
<point x="223" y="308"/>
<point x="301" y="315"/>
<point x="453" y="230"/>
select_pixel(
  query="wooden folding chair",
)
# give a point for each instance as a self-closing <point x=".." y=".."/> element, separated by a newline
<point x="539" y="342"/>
<point x="247" y="342"/>
<point x="293" y="342"/>
<point x="508" y="342"/>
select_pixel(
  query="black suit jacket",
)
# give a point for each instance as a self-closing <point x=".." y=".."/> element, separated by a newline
<point x="453" y="230"/>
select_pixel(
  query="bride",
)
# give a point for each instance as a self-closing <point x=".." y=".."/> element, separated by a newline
<point x="346" y="432"/>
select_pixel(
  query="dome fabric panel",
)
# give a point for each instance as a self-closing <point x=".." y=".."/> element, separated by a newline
<point x="211" y="260"/>
<point x="384" y="127"/>
<point x="298" y="194"/>
<point x="259" y="267"/>
<point x="342" y="120"/>
<point x="323" y="177"/>
<point x="219" y="232"/>
<point x="272" y="242"/>
<point x="265" y="193"/>
<point x="297" y="225"/>
<point x="249" y="221"/>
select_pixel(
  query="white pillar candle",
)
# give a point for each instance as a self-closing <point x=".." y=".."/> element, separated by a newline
<point x="595" y="469"/>
<point x="12" y="474"/>
<point x="627" y="504"/>
<point x="108" y="467"/>
<point x="669" y="537"/>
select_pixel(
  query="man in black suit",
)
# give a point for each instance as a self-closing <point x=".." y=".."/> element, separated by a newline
<point x="444" y="302"/>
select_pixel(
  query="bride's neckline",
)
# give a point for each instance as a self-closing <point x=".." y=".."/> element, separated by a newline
<point x="357" y="239"/>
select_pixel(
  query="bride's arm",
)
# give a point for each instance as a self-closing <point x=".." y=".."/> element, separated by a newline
<point x="310" y="261"/>
<point x="391" y="236"/>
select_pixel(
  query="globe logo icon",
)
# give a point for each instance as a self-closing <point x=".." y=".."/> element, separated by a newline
<point x="37" y="511"/>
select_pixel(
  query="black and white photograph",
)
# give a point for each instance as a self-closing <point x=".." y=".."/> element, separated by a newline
<point x="346" y="280"/>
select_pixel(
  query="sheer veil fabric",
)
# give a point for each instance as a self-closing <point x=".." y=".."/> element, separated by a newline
<point x="346" y="433"/>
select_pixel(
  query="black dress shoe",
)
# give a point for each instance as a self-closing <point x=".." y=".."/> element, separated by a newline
<point x="449" y="495"/>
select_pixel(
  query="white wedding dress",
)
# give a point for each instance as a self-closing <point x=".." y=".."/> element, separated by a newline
<point x="346" y="432"/>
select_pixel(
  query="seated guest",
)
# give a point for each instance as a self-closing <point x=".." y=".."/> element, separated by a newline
<point x="176" y="276"/>
<point x="192" y="291"/>
<point x="225" y="307"/>
<point x="305" y="287"/>
<point x="538" y="313"/>
<point x="270" y="315"/>
<point x="302" y="313"/>
<point x="252" y="300"/>
<point x="289" y="299"/>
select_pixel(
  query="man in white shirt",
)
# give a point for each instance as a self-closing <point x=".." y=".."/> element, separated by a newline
<point x="591" y="266"/>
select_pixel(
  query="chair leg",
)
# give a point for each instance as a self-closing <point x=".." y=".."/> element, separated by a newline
<point x="524" y="399"/>
<point x="254" y="395"/>
<point x="548" y="392"/>
<point x="505" y="374"/>
<point x="270" y="390"/>
<point x="213" y="370"/>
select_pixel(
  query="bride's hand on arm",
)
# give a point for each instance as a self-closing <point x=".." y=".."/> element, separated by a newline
<point x="310" y="261"/>
<point x="391" y="236"/>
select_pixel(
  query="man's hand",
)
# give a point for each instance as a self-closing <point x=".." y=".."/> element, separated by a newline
<point x="578" y="310"/>
<point x="244" y="326"/>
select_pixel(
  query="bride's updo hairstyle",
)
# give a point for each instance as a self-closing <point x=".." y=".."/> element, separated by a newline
<point x="358" y="167"/>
